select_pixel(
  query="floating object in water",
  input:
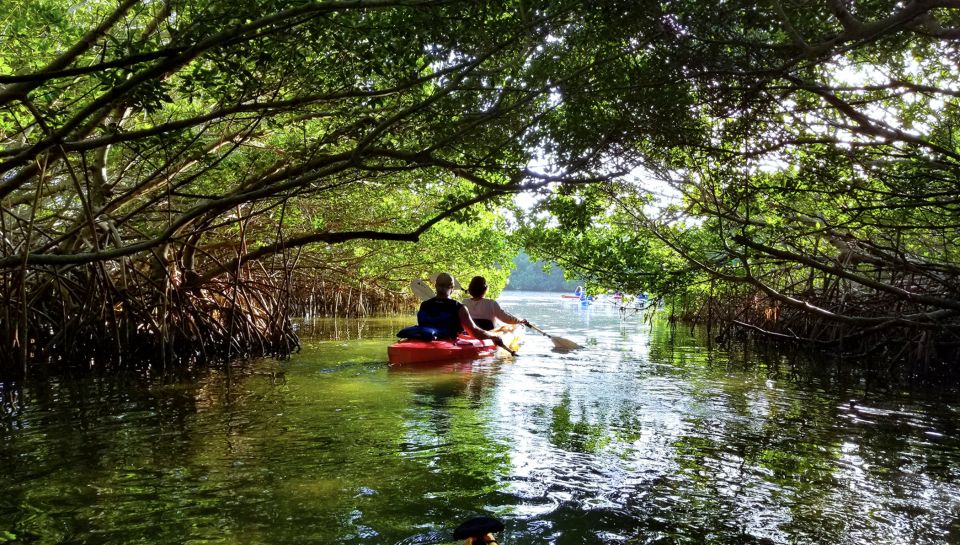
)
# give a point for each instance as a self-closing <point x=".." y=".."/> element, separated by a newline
<point x="478" y="530"/>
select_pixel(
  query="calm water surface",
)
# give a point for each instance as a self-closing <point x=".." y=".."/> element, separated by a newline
<point x="645" y="436"/>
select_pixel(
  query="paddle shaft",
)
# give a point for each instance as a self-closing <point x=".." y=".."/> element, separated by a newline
<point x="558" y="342"/>
<point x="537" y="329"/>
<point x="540" y="331"/>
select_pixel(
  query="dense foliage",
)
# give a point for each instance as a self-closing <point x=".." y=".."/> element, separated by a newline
<point x="170" y="170"/>
<point x="176" y="174"/>
<point x="816" y="200"/>
<point x="538" y="276"/>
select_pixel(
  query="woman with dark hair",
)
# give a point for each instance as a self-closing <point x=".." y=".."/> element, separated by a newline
<point x="485" y="312"/>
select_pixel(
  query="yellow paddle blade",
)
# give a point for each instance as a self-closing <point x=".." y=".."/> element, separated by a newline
<point x="511" y="334"/>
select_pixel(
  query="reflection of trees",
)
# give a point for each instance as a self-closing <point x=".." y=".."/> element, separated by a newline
<point x="241" y="459"/>
<point x="389" y="451"/>
<point x="684" y="449"/>
<point x="579" y="435"/>
<point x="334" y="328"/>
<point x="778" y="456"/>
<point x="444" y="419"/>
<point x="751" y="459"/>
<point x="742" y="461"/>
<point x="110" y="456"/>
<point x="733" y="471"/>
<point x="900" y="467"/>
<point x="701" y="447"/>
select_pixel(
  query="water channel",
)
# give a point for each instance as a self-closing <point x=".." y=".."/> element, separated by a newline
<point x="645" y="436"/>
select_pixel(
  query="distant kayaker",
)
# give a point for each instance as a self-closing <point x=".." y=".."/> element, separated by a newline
<point x="485" y="311"/>
<point x="449" y="316"/>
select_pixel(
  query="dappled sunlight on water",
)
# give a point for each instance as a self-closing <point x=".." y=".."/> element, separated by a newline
<point x="643" y="436"/>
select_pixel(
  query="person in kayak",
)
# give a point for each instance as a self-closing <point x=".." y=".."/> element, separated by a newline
<point x="485" y="311"/>
<point x="448" y="316"/>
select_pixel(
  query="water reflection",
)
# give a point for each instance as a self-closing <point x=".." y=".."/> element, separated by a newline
<point x="643" y="437"/>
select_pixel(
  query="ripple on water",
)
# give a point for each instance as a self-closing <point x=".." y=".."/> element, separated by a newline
<point x="644" y="436"/>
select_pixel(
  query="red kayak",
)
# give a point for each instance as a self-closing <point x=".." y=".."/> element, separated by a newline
<point x="462" y="348"/>
<point x="412" y="351"/>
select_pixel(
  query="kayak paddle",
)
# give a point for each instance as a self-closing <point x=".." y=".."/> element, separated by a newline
<point x="421" y="289"/>
<point x="558" y="342"/>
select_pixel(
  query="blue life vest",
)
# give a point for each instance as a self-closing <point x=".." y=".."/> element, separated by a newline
<point x="418" y="332"/>
<point x="441" y="314"/>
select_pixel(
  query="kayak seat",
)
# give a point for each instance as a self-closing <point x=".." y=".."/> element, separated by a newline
<point x="419" y="333"/>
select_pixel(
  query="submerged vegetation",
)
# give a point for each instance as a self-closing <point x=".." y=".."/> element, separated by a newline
<point x="178" y="178"/>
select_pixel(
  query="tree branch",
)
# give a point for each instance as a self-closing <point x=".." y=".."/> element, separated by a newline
<point x="20" y="90"/>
